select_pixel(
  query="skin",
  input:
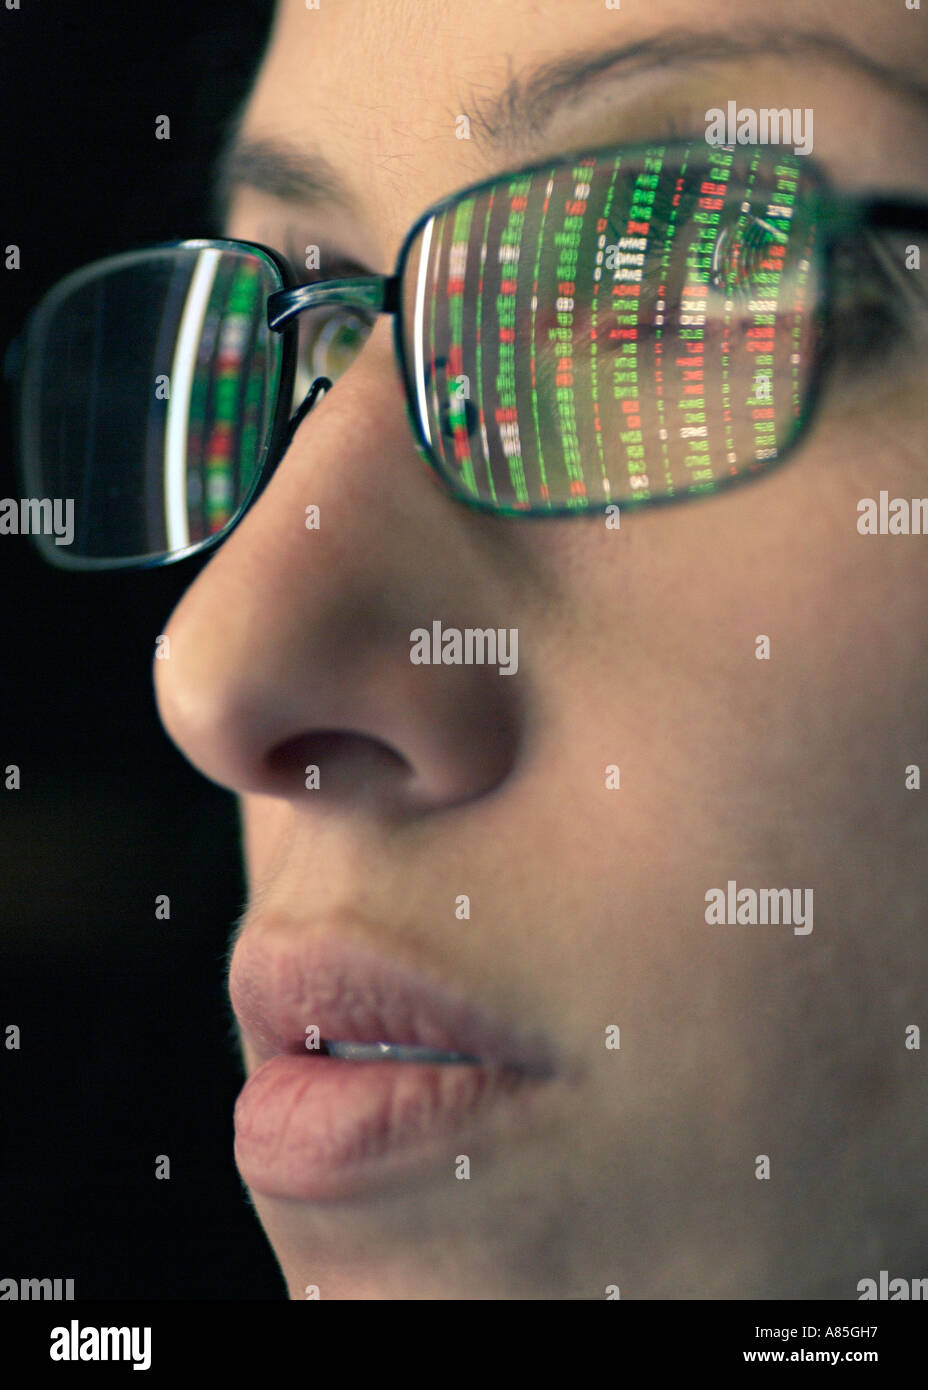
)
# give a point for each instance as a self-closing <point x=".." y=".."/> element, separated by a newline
<point x="636" y="647"/>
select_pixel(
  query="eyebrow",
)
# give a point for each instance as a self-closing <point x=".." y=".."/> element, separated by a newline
<point x="524" y="109"/>
<point x="278" y="168"/>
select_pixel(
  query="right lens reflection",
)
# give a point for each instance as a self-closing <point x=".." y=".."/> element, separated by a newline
<point x="626" y="326"/>
<point x="149" y="393"/>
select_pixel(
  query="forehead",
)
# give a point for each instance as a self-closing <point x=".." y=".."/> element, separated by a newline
<point x="374" y="88"/>
<point x="380" y="89"/>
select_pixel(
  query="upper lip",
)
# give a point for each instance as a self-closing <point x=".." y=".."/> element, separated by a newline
<point x="283" y="981"/>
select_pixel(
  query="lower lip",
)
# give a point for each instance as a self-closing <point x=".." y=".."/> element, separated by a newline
<point x="319" y="1128"/>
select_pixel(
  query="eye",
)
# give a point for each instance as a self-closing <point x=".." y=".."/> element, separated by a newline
<point x="330" y="339"/>
<point x="334" y="338"/>
<point x="739" y="255"/>
<point x="880" y="307"/>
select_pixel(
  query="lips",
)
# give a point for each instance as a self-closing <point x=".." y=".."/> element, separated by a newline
<point x="314" y="1125"/>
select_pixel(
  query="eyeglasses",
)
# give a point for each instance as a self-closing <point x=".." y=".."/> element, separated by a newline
<point x="628" y="326"/>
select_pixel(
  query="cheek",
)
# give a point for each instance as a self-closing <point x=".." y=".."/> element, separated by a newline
<point x="750" y="657"/>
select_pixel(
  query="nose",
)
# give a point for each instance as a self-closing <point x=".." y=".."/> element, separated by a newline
<point x="291" y="650"/>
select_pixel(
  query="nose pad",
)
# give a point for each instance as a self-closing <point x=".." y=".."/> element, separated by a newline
<point x="318" y="388"/>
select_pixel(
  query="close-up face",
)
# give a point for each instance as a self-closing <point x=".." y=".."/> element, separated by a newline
<point x="601" y="1073"/>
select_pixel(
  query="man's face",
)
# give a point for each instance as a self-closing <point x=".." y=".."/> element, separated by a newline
<point x="638" y="1165"/>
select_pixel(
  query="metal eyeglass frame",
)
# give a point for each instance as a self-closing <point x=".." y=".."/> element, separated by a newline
<point x="837" y="217"/>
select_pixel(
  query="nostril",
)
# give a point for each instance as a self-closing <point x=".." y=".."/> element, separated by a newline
<point x="336" y="761"/>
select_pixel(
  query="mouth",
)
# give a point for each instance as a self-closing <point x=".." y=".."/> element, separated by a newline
<point x="394" y="1052"/>
<point x="365" y="1071"/>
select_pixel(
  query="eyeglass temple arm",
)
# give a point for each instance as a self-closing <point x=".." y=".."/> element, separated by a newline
<point x="896" y="213"/>
<point x="844" y="216"/>
<point x="377" y="294"/>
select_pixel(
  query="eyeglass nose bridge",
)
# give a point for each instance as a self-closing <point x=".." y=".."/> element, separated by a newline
<point x="377" y="294"/>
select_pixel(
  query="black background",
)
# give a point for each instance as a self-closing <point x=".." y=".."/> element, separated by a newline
<point x="125" y="1051"/>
